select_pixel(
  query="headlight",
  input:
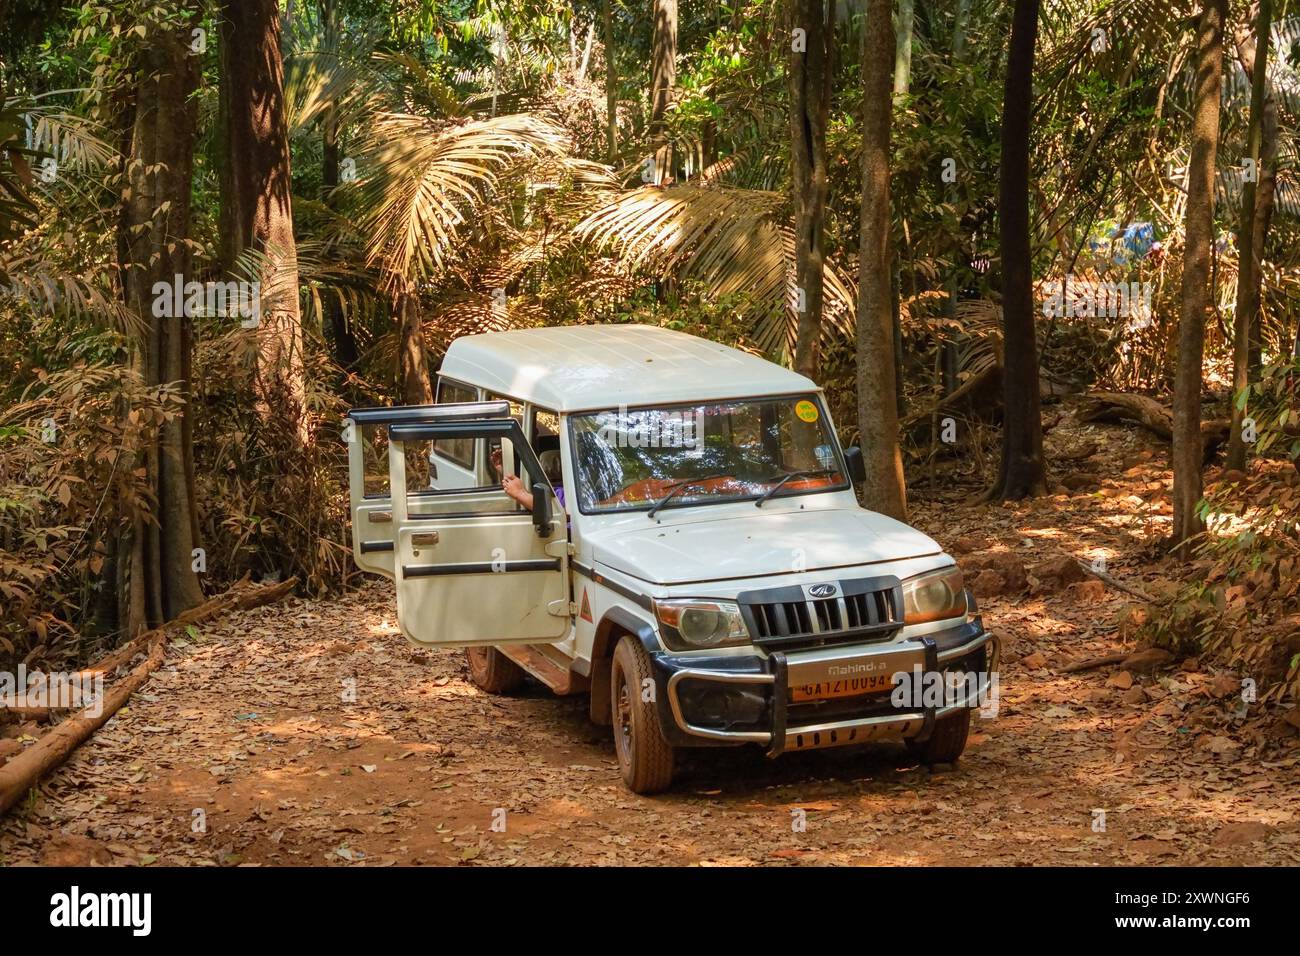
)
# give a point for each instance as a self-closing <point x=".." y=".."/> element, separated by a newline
<point x="702" y="623"/>
<point x="934" y="596"/>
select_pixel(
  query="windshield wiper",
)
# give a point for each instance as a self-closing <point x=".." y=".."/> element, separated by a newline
<point x="678" y="487"/>
<point x="788" y="477"/>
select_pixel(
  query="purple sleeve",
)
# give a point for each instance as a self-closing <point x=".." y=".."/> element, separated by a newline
<point x="559" y="495"/>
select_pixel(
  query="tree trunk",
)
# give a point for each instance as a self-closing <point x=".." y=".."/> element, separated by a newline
<point x="412" y="364"/>
<point x="884" y="488"/>
<point x="811" y="75"/>
<point x="1266" y="188"/>
<point x="586" y="51"/>
<point x="948" y="360"/>
<point x="345" y="342"/>
<point x="959" y="28"/>
<point x="663" y="61"/>
<point x="1248" y="256"/>
<point x="1265" y="200"/>
<point x="1022" y="472"/>
<point x="258" y="205"/>
<point x="156" y="580"/>
<point x="903" y="51"/>
<point x="663" y="77"/>
<point x="1195" y="297"/>
<point x="611" y="83"/>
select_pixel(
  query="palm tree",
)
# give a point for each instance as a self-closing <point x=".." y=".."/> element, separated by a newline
<point x="430" y="179"/>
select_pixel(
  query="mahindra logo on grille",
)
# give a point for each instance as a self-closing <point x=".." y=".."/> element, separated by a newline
<point x="822" y="590"/>
<point x="836" y="670"/>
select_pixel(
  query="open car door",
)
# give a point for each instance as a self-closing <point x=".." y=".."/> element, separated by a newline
<point x="370" y="490"/>
<point x="470" y="564"/>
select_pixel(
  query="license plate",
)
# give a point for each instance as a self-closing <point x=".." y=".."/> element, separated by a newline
<point x="842" y="687"/>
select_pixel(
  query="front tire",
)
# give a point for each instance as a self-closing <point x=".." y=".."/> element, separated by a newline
<point x="645" y="758"/>
<point x="492" y="671"/>
<point x="947" y="741"/>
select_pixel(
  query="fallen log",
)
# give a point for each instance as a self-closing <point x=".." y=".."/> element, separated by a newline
<point x="126" y="652"/>
<point x="1122" y="407"/>
<point x="25" y="770"/>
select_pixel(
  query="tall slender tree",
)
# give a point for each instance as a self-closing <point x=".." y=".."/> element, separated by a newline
<point x="884" y="489"/>
<point x="611" y="81"/>
<point x="903" y="51"/>
<point x="1248" y="257"/>
<point x="960" y="25"/>
<point x="1266" y="191"/>
<point x="663" y="61"/>
<point x="154" y="560"/>
<point x="1187" y="453"/>
<point x="257" y="210"/>
<point x="812" y="73"/>
<point x="663" y="78"/>
<point x="345" y="342"/>
<point x="1022" y="471"/>
<point x="412" y="355"/>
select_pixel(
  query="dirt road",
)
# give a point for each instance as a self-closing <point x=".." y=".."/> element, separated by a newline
<point x="311" y="733"/>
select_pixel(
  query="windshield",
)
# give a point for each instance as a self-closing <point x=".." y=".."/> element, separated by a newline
<point x="704" y="453"/>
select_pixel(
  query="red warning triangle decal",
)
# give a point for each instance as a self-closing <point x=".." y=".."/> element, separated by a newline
<point x="585" y="613"/>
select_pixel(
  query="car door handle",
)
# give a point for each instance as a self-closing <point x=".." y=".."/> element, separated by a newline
<point x="380" y="517"/>
<point x="424" y="538"/>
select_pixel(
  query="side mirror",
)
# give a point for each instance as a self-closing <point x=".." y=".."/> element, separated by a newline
<point x="853" y="461"/>
<point x="542" y="508"/>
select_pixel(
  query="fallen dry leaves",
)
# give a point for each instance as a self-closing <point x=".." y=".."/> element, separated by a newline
<point x="311" y="733"/>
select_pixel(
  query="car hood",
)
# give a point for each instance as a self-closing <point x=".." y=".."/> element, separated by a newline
<point x="761" y="543"/>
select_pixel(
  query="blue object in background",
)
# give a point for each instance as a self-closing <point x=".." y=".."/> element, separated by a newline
<point x="1135" y="241"/>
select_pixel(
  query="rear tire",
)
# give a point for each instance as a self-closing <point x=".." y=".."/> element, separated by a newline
<point x="492" y="671"/>
<point x="946" y="743"/>
<point x="645" y="758"/>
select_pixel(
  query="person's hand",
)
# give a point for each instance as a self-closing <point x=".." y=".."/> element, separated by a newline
<point x="495" y="458"/>
<point x="515" y="489"/>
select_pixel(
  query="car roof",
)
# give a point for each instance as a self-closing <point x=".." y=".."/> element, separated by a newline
<point x="586" y="367"/>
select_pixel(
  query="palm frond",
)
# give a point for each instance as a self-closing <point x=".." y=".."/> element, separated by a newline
<point x="31" y="281"/>
<point x="429" y="178"/>
<point x="734" y="242"/>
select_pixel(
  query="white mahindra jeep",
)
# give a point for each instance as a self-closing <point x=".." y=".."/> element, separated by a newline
<point x="670" y="525"/>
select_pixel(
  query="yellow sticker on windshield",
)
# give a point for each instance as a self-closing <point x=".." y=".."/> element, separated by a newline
<point x="806" y="410"/>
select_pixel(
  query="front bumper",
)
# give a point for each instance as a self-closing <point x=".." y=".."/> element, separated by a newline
<point x="723" y="701"/>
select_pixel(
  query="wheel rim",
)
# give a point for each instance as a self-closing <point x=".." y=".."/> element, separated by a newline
<point x="623" y="720"/>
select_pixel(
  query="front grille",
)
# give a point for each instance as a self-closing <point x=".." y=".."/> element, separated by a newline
<point x="792" y="617"/>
